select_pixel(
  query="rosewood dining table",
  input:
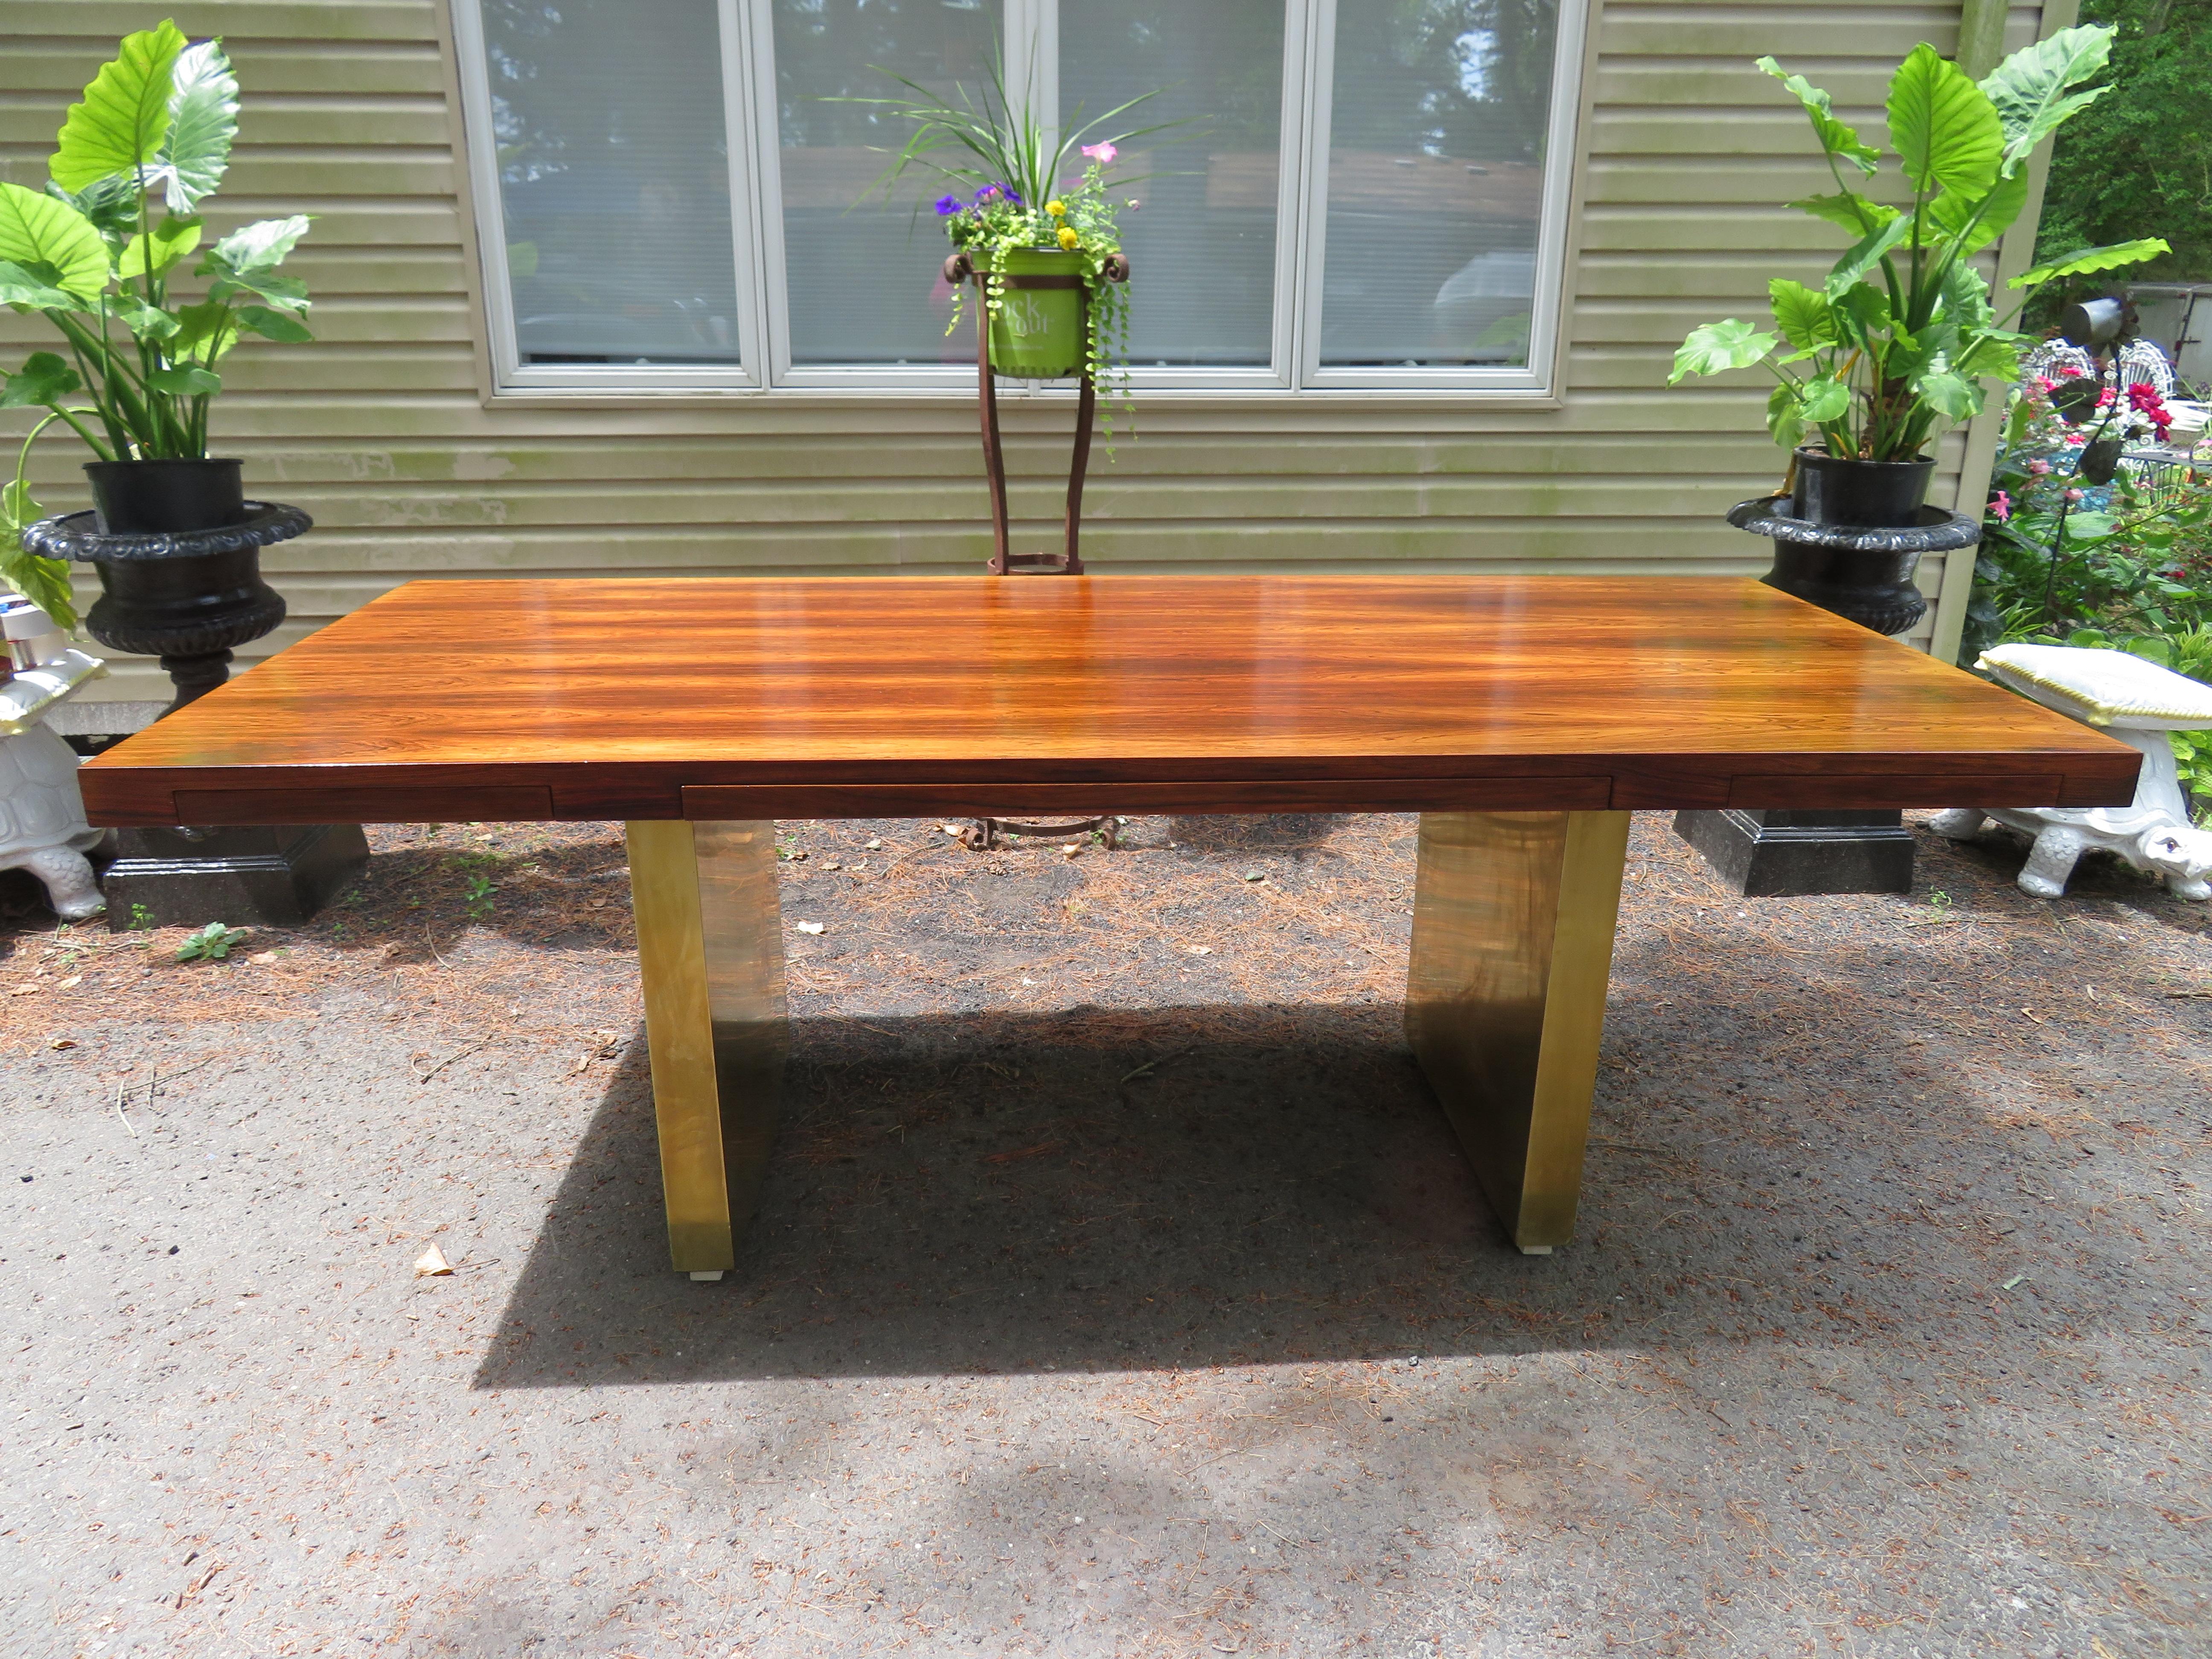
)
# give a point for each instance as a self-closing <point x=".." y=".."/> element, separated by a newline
<point x="1522" y="717"/>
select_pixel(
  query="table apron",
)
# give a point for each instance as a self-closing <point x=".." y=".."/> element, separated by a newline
<point x="715" y="801"/>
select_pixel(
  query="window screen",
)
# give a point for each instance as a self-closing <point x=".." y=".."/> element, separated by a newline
<point x="863" y="276"/>
<point x="614" y="180"/>
<point x="1202" y="240"/>
<point x="1435" y="177"/>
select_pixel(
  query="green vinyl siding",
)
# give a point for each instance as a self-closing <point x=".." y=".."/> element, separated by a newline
<point x="383" y="431"/>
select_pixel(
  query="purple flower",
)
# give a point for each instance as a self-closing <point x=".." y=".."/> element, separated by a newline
<point x="988" y="193"/>
<point x="949" y="205"/>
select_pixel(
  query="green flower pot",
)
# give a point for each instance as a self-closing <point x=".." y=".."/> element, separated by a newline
<point x="1036" y="333"/>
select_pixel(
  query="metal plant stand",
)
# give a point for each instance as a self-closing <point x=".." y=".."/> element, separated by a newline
<point x="982" y="834"/>
<point x="191" y="598"/>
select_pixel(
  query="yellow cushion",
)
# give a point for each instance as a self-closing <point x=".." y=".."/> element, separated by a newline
<point x="2103" y="688"/>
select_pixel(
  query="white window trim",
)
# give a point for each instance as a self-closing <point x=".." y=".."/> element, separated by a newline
<point x="757" y="232"/>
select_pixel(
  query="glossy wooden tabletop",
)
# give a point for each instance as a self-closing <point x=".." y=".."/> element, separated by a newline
<point x="828" y="697"/>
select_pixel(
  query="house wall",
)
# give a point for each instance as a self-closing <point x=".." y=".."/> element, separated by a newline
<point x="386" y="430"/>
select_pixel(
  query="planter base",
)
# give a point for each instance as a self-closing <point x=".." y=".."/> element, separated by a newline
<point x="270" y="877"/>
<point x="1799" y="854"/>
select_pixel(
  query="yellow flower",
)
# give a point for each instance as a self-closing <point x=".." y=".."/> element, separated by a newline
<point x="1068" y="238"/>
<point x="1056" y="209"/>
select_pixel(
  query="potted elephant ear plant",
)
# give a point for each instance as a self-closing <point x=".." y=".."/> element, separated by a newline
<point x="1870" y="369"/>
<point x="116" y="256"/>
<point x="1895" y="345"/>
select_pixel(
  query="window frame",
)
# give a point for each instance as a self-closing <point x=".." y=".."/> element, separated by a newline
<point x="1294" y="372"/>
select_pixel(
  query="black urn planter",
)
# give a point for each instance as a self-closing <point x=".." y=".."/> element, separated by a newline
<point x="1861" y="572"/>
<point x="1831" y="489"/>
<point x="178" y="548"/>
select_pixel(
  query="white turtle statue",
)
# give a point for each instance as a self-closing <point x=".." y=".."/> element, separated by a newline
<point x="42" y="827"/>
<point x="2138" y="702"/>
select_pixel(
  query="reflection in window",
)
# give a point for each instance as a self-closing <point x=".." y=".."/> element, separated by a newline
<point x="863" y="275"/>
<point x="1436" y="172"/>
<point x="613" y="161"/>
<point x="1203" y="240"/>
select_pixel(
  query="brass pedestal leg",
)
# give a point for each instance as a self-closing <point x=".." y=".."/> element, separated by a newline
<point x="710" y="949"/>
<point x="1513" y="920"/>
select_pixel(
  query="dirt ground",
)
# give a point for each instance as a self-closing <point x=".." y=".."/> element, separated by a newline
<point x="1120" y="1289"/>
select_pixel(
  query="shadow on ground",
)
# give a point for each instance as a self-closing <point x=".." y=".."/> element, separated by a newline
<point x="1094" y="1189"/>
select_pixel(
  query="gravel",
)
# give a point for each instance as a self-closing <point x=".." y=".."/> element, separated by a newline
<point x="1120" y="1289"/>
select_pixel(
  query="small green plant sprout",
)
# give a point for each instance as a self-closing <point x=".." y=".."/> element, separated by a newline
<point x="1941" y="910"/>
<point x="213" y="942"/>
<point x="480" y="890"/>
<point x="141" y="918"/>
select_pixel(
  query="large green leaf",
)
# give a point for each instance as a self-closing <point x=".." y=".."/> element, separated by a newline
<point x="109" y="206"/>
<point x="2108" y="258"/>
<point x="1949" y="394"/>
<point x="1793" y="409"/>
<point x="1853" y="213"/>
<point x="1835" y="137"/>
<point x="35" y="228"/>
<point x="119" y="125"/>
<point x="2031" y="88"/>
<point x="274" y="324"/>
<point x="204" y="333"/>
<point x="1802" y="314"/>
<point x="43" y="582"/>
<point x="258" y="246"/>
<point x="203" y="122"/>
<point x="1715" y="348"/>
<point x="33" y="287"/>
<point x="1944" y="127"/>
<point x="185" y="380"/>
<point x="1825" y="400"/>
<point x="1783" y="419"/>
<point x="1966" y="295"/>
<point x="1861" y="315"/>
<point x="1950" y="214"/>
<point x="285" y="293"/>
<point x="146" y="322"/>
<point x="159" y="249"/>
<point x="1865" y="254"/>
<point x="44" y="379"/>
<point x="1994" y="357"/>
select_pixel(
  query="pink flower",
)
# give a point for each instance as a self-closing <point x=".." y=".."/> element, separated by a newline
<point x="2039" y="468"/>
<point x="2068" y="371"/>
<point x="2073" y="494"/>
<point x="2045" y="383"/>
<point x="1103" y="154"/>
<point x="2000" y="506"/>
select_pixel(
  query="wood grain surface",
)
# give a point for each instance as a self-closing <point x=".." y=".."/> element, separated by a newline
<point x="845" y="697"/>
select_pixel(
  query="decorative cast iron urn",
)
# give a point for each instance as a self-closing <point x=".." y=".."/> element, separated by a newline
<point x="1861" y="572"/>
<point x="1847" y="538"/>
<point x="177" y="549"/>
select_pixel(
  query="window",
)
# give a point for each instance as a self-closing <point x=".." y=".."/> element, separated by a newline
<point x="1356" y="195"/>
